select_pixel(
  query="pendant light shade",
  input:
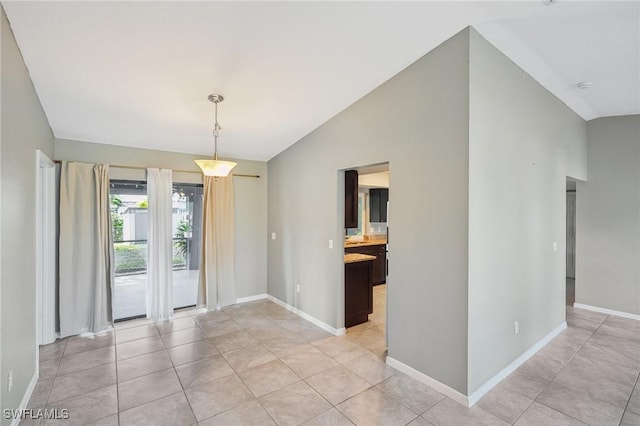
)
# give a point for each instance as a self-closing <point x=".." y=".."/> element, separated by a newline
<point x="215" y="167"/>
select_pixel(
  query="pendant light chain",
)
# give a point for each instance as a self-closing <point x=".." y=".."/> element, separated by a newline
<point x="216" y="168"/>
<point x="216" y="133"/>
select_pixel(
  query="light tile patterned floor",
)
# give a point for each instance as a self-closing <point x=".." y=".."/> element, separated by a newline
<point x="258" y="364"/>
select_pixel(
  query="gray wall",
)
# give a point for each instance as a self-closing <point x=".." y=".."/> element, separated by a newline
<point x="418" y="122"/>
<point x="608" y="217"/>
<point x="523" y="142"/>
<point x="250" y="198"/>
<point x="25" y="129"/>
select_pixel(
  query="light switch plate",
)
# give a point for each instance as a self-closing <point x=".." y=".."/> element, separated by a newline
<point x="273" y="235"/>
<point x="330" y="244"/>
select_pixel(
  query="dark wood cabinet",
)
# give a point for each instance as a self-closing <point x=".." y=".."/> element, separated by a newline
<point x="358" y="293"/>
<point x="379" y="265"/>
<point x="378" y="198"/>
<point x="351" y="199"/>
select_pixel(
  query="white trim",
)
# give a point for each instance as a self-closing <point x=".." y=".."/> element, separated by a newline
<point x="311" y="319"/>
<point x="470" y="401"/>
<point x="492" y="382"/>
<point x="429" y="381"/>
<point x="45" y="229"/>
<point x="251" y="298"/>
<point x="27" y="396"/>
<point x="607" y="311"/>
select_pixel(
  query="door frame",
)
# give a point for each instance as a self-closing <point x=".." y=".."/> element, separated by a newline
<point x="571" y="194"/>
<point x="386" y="166"/>
<point x="45" y="249"/>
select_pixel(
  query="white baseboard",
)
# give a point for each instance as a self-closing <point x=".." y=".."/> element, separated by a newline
<point x="428" y="380"/>
<point x="492" y="382"/>
<point x="607" y="311"/>
<point x="27" y="396"/>
<point x="311" y="319"/>
<point x="251" y="298"/>
<point x="470" y="401"/>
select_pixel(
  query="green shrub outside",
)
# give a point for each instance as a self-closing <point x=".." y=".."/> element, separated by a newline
<point x="130" y="257"/>
<point x="133" y="258"/>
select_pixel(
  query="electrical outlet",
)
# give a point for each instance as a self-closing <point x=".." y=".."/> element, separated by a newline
<point x="330" y="244"/>
<point x="298" y="288"/>
<point x="516" y="327"/>
<point x="273" y="235"/>
<point x="9" y="381"/>
<point x="555" y="246"/>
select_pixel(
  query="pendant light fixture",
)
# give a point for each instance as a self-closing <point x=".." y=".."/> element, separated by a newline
<point x="215" y="167"/>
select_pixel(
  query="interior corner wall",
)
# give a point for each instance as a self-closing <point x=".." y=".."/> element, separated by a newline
<point x="250" y="197"/>
<point x="418" y="122"/>
<point x="25" y="129"/>
<point x="608" y="217"/>
<point x="523" y="143"/>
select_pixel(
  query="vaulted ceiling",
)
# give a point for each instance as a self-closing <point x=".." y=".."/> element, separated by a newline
<point x="138" y="73"/>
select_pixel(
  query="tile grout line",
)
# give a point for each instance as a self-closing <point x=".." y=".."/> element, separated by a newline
<point x="629" y="400"/>
<point x="237" y="373"/>
<point x="184" y="392"/>
<point x="234" y="372"/>
<point x="550" y="381"/>
<point x="593" y="332"/>
<point x="245" y="385"/>
<point x="154" y="372"/>
<point x="340" y="364"/>
<point x="197" y="326"/>
<point x="554" y="377"/>
<point x="279" y="359"/>
<point x="84" y="369"/>
<point x="55" y="375"/>
<point x="525" y="410"/>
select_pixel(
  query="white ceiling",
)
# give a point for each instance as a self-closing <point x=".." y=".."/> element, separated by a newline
<point x="138" y="73"/>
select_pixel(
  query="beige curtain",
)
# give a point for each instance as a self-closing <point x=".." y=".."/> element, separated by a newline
<point x="85" y="249"/>
<point x="217" y="286"/>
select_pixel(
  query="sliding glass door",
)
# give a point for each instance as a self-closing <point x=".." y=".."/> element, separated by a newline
<point x="129" y="226"/>
<point x="129" y="220"/>
<point x="187" y="237"/>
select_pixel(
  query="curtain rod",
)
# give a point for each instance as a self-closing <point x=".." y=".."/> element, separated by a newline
<point x="180" y="171"/>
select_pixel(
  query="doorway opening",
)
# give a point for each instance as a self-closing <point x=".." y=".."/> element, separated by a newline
<point x="571" y="243"/>
<point x="366" y="238"/>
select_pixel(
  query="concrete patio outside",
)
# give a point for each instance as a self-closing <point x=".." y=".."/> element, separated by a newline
<point x="129" y="298"/>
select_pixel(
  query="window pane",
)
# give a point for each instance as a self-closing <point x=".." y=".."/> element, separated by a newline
<point x="129" y="217"/>
<point x="187" y="237"/>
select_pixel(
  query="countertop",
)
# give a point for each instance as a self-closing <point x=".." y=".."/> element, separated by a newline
<point x="357" y="257"/>
<point x="378" y="242"/>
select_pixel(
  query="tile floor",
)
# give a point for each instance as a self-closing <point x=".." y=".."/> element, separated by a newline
<point x="258" y="364"/>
